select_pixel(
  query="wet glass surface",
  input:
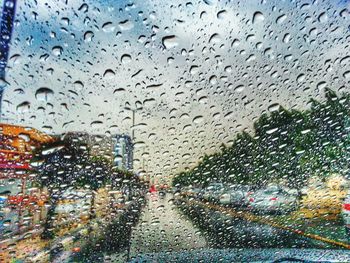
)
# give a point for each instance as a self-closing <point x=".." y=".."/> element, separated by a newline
<point x="174" y="131"/>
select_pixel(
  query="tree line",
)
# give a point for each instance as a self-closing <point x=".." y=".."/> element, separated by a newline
<point x="286" y="145"/>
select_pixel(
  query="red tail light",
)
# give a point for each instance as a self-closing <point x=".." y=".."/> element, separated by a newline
<point x="346" y="207"/>
<point x="273" y="199"/>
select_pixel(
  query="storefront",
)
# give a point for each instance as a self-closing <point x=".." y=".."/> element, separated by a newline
<point x="22" y="205"/>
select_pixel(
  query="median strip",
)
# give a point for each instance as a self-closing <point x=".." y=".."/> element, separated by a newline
<point x="255" y="218"/>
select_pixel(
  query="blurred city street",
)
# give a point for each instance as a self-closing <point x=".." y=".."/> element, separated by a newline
<point x="163" y="228"/>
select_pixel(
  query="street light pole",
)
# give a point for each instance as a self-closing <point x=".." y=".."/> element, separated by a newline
<point x="133" y="125"/>
<point x="132" y="128"/>
<point x="133" y="120"/>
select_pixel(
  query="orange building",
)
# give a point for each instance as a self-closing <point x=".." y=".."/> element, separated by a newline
<point x="22" y="138"/>
<point x="17" y="144"/>
<point x="22" y="205"/>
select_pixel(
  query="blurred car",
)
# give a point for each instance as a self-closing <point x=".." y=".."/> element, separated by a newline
<point x="56" y="250"/>
<point x="162" y="192"/>
<point x="213" y="192"/>
<point x="203" y="194"/>
<point x="303" y="190"/>
<point x="40" y="256"/>
<point x="272" y="199"/>
<point x="236" y="195"/>
<point x="193" y="191"/>
<point x="175" y="191"/>
<point x="345" y="212"/>
<point x="323" y="201"/>
<point x="200" y="194"/>
<point x="185" y="190"/>
<point x="293" y="191"/>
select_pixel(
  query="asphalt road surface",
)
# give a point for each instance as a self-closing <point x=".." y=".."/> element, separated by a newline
<point x="169" y="225"/>
<point x="162" y="228"/>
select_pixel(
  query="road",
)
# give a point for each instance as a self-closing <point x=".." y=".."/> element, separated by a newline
<point x="168" y="225"/>
<point x="174" y="224"/>
<point x="162" y="228"/>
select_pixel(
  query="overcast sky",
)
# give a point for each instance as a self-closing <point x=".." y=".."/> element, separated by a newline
<point x="200" y="70"/>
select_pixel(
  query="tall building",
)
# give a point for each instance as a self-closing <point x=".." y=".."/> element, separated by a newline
<point x="119" y="147"/>
<point x="124" y="152"/>
<point x="98" y="144"/>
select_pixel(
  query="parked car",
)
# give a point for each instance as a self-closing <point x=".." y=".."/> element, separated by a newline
<point x="345" y="212"/>
<point x="273" y="199"/>
<point x="202" y="193"/>
<point x="233" y="195"/>
<point x="162" y="193"/>
<point x="176" y="191"/>
<point x="56" y="250"/>
<point x="303" y="190"/>
<point x="247" y="191"/>
<point x="214" y="191"/>
<point x="194" y="192"/>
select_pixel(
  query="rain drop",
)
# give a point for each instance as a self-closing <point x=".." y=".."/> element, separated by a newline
<point x="109" y="74"/>
<point x="258" y="17"/>
<point x="170" y="41"/>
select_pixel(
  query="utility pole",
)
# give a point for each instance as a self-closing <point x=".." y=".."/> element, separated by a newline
<point x="133" y="110"/>
<point x="133" y="125"/>
<point x="6" y="27"/>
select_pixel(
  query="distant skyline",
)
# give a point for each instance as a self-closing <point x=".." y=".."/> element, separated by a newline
<point x="201" y="71"/>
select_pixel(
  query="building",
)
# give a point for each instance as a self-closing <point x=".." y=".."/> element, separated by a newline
<point x="118" y="148"/>
<point x="124" y="152"/>
<point x="21" y="204"/>
<point x="97" y="144"/>
<point x="17" y="144"/>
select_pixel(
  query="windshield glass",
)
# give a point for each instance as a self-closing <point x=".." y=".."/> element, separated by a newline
<point x="137" y="130"/>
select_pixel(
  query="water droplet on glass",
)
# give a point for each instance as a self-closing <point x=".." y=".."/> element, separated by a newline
<point x="235" y="43"/>
<point x="323" y="17"/>
<point x="88" y="36"/>
<point x="321" y="85"/>
<point x="194" y="70"/>
<point x="57" y="50"/>
<point x="198" y="119"/>
<point x="44" y="94"/>
<point x="258" y="17"/>
<point x="274" y="107"/>
<point x="346" y="74"/>
<point x="213" y="80"/>
<point x="78" y="85"/>
<point x="170" y="41"/>
<point x="96" y="124"/>
<point x="301" y="78"/>
<point x="286" y="38"/>
<point x="23" y="107"/>
<point x="209" y="2"/>
<point x="281" y="19"/>
<point x="221" y="14"/>
<point x="126" y="58"/>
<point x="126" y="25"/>
<point x="109" y="74"/>
<point x="239" y="88"/>
<point x="108" y="27"/>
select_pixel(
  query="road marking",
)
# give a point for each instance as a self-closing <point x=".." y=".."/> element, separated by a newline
<point x="255" y="218"/>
